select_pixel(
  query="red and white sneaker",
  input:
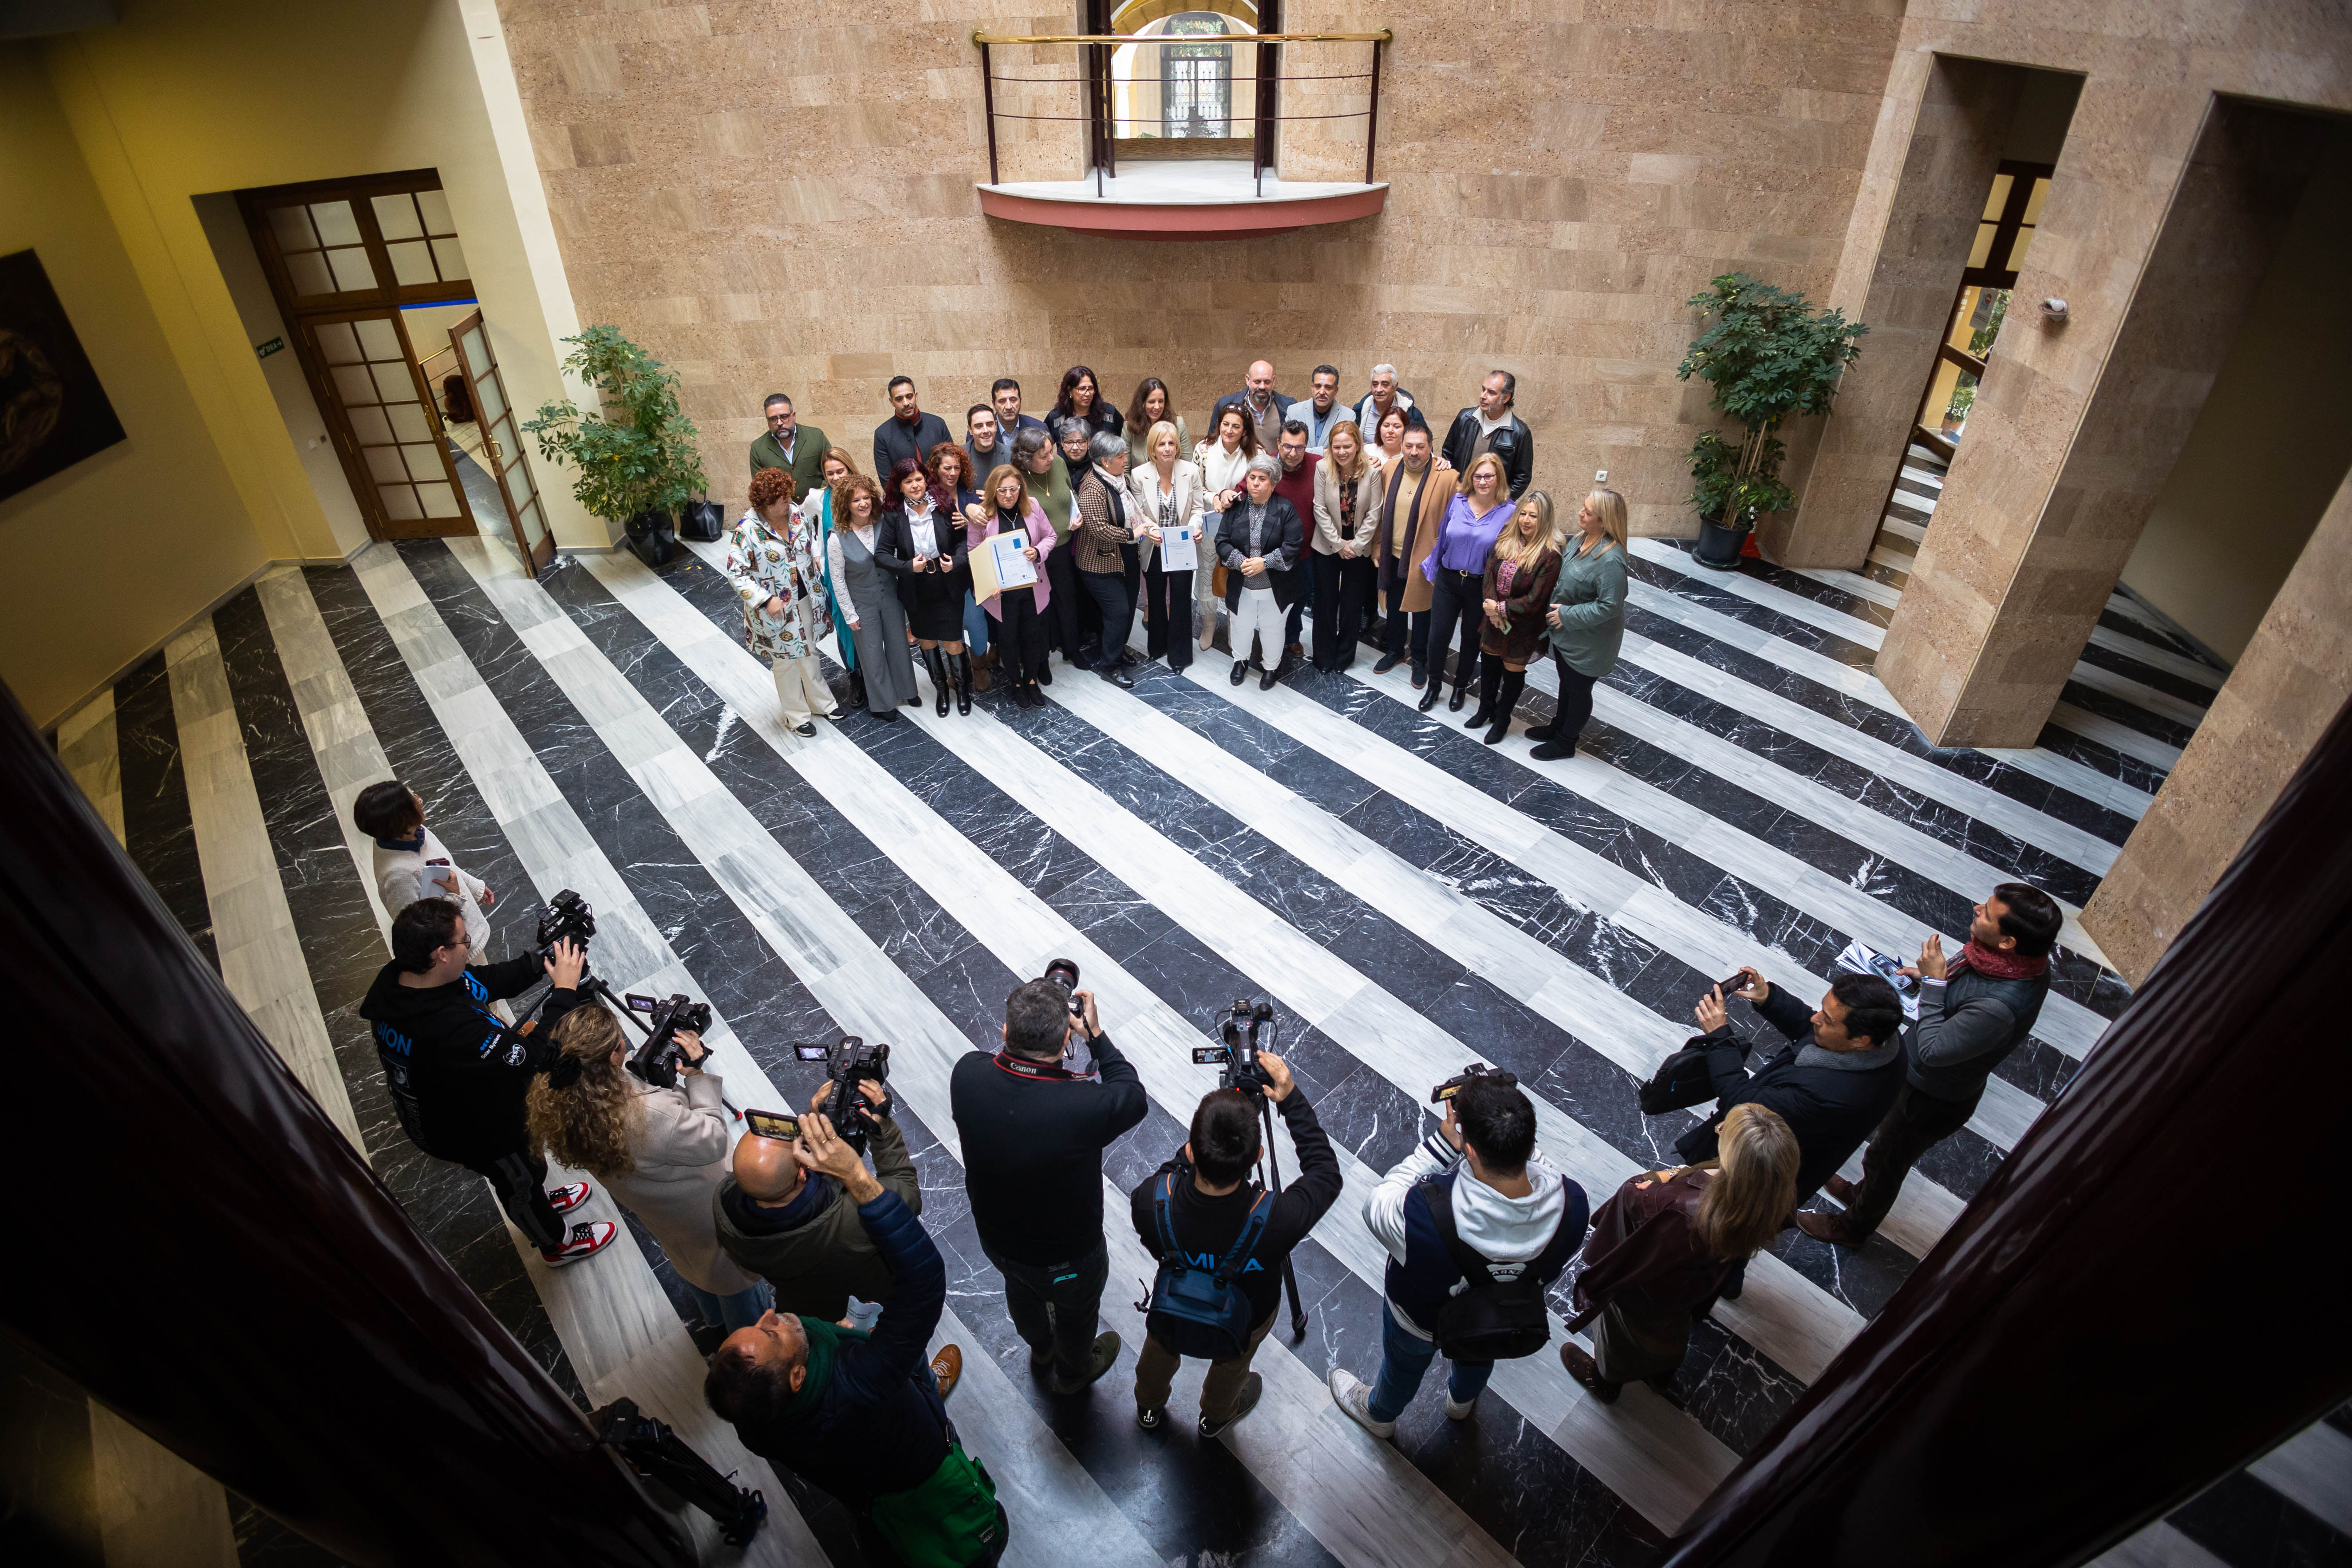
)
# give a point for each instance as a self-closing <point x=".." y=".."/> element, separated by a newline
<point x="564" y="1200"/>
<point x="586" y="1238"/>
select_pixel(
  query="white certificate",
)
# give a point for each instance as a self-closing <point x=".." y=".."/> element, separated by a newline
<point x="1178" y="539"/>
<point x="1013" y="570"/>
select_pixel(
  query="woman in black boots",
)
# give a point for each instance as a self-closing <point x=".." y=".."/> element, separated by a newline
<point x="923" y="545"/>
<point x="1518" y="583"/>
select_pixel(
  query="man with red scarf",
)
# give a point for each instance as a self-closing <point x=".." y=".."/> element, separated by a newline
<point x="1973" y="1011"/>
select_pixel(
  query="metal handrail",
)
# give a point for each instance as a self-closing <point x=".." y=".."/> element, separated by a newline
<point x="1384" y="37"/>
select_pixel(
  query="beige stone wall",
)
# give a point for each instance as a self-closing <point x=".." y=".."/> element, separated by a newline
<point x="783" y="200"/>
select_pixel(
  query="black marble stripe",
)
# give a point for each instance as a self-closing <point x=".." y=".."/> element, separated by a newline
<point x="2145" y="776"/>
<point x="2124" y="710"/>
<point x="2163" y="680"/>
<point x="2248" y="1525"/>
<point x="344" y="950"/>
<point x="157" y="831"/>
<point x="969" y="986"/>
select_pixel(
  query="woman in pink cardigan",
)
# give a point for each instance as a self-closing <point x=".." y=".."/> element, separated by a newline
<point x="1020" y="638"/>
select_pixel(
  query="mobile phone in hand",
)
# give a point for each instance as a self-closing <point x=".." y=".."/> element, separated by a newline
<point x="773" y="1124"/>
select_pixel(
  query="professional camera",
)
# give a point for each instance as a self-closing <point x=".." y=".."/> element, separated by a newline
<point x="848" y="1064"/>
<point x="1236" y="1059"/>
<point x="1469" y="1075"/>
<point x="656" y="1060"/>
<point x="567" y="915"/>
<point x="1063" y="972"/>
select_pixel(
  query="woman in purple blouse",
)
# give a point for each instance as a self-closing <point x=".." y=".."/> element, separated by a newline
<point x="1456" y="570"/>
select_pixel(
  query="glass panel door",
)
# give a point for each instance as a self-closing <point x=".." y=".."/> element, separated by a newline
<point x="502" y="443"/>
<point x="386" y="428"/>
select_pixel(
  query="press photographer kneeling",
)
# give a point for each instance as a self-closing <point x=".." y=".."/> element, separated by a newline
<point x="458" y="1074"/>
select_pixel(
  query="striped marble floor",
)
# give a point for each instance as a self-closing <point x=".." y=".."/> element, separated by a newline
<point x="1407" y="898"/>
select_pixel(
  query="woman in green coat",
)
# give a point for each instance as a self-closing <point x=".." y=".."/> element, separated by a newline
<point x="1048" y="479"/>
<point x="1587" y="619"/>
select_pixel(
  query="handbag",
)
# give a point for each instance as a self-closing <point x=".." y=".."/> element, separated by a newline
<point x="702" y="522"/>
<point x="950" y="1520"/>
<point x="1198" y="1307"/>
<point x="1217" y="580"/>
<point x="652" y="538"/>
<point x="1682" y="1080"/>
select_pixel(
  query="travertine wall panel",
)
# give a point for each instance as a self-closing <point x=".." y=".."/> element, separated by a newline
<point x="779" y="198"/>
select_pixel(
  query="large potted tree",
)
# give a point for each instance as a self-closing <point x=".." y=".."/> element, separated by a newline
<point x="1769" y="358"/>
<point x="635" y="454"/>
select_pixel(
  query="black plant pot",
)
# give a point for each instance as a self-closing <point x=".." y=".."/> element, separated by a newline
<point x="1720" y="542"/>
<point x="653" y="537"/>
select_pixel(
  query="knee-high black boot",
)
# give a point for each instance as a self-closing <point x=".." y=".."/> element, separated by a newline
<point x="1490" y="677"/>
<point x="961" y="663"/>
<point x="937" y="663"/>
<point x="1514" y="682"/>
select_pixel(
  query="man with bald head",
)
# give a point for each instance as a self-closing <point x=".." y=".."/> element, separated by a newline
<point x="1257" y="398"/>
<point x="783" y="1219"/>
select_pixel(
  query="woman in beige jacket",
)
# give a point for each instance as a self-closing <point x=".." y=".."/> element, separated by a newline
<point x="1164" y="492"/>
<point x="661" y="1152"/>
<point x="1349" y="490"/>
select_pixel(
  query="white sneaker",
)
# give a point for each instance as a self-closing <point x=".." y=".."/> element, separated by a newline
<point x="1354" y="1397"/>
<point x="587" y="1239"/>
<point x="1459" y="1412"/>
<point x="564" y="1200"/>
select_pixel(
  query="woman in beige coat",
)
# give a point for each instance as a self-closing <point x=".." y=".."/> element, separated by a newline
<point x="1349" y="490"/>
<point x="661" y="1152"/>
<point x="1164" y="493"/>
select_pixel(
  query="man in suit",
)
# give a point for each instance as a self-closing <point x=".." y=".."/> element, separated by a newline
<point x="1005" y="393"/>
<point x="907" y="433"/>
<point x="1493" y="427"/>
<point x="1267" y="408"/>
<point x="798" y="449"/>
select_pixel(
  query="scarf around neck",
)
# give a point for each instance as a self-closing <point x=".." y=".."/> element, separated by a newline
<point x="824" y="1342"/>
<point x="1993" y="965"/>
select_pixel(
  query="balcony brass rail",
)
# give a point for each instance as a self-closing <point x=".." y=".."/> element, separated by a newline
<point x="1102" y="154"/>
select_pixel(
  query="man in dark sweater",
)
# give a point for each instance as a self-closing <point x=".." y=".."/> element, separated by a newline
<point x="457" y="1072"/>
<point x="860" y="1415"/>
<point x="907" y="433"/>
<point x="1209" y="1200"/>
<point x="787" y="1223"/>
<point x="1973" y="1011"/>
<point x="1034" y="1130"/>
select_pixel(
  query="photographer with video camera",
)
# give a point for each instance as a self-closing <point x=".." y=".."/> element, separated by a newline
<point x="1034" y="1130"/>
<point x="861" y="1415"/>
<point x="661" y="1150"/>
<point x="458" y="1074"/>
<point x="1477" y="1226"/>
<point x="1220" y="1239"/>
<point x="787" y="1223"/>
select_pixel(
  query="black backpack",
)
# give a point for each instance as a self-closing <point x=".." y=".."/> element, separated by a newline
<point x="1201" y="1312"/>
<point x="1495" y="1318"/>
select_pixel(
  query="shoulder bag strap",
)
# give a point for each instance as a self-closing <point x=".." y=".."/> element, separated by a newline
<point x="1159" y="1210"/>
<point x="1439" y="1196"/>
<point x="1245" y="1242"/>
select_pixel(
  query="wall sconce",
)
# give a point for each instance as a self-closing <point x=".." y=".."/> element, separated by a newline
<point x="2053" y="312"/>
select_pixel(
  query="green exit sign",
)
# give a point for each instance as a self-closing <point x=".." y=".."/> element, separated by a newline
<point x="263" y="351"/>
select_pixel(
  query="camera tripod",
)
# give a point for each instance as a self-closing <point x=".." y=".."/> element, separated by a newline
<point x="1274" y="1186"/>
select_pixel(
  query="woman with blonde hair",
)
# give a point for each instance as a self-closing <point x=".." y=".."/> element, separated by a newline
<point x="1587" y="619"/>
<point x="1020" y="612"/>
<point x="1662" y="1248"/>
<point x="1519" y="576"/>
<point x="1165" y="488"/>
<point x="1348" y="494"/>
<point x="661" y="1152"/>
<point x="1455" y="568"/>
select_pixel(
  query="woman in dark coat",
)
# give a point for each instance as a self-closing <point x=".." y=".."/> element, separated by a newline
<point x="1518" y="583"/>
<point x="1661" y="1248"/>
<point x="1260" y="542"/>
<point x="923" y="546"/>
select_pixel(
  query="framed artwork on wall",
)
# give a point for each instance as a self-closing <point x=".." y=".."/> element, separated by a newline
<point x="53" y="412"/>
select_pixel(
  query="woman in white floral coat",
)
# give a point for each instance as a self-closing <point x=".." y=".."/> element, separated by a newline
<point x="771" y="560"/>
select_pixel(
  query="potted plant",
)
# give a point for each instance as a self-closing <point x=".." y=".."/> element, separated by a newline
<point x="1768" y="357"/>
<point x="637" y="458"/>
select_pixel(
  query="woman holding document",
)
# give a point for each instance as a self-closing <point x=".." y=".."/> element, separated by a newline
<point x="1166" y="503"/>
<point x="1019" y="613"/>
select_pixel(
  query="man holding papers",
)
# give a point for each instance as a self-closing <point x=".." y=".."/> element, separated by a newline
<point x="1166" y="507"/>
<point x="1010" y="539"/>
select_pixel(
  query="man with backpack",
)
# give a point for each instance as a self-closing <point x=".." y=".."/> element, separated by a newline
<point x="1477" y="1226"/>
<point x="1220" y="1239"/>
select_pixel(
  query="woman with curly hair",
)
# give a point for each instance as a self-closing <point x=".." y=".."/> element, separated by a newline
<point x="772" y="562"/>
<point x="661" y="1152"/>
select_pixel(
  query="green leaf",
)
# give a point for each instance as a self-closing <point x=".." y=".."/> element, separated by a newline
<point x="637" y="453"/>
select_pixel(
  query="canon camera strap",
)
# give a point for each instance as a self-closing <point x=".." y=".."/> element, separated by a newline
<point x="1022" y="1066"/>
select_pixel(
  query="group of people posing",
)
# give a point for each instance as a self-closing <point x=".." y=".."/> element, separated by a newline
<point x="1303" y="519"/>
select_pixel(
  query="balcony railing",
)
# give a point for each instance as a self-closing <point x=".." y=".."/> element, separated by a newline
<point x="1094" y="76"/>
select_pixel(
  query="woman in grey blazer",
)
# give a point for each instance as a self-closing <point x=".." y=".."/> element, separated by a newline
<point x="1587" y="619"/>
<point x="876" y="619"/>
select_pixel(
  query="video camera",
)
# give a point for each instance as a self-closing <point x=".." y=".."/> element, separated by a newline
<point x="1236" y="1059"/>
<point x="567" y="915"/>
<point x="656" y="1060"/>
<point x="849" y="1064"/>
<point x="1467" y="1076"/>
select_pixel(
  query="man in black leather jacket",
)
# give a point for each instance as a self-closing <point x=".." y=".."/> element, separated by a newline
<point x="1494" y="426"/>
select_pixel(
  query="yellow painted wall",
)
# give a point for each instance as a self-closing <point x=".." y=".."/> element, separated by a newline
<point x="116" y="554"/>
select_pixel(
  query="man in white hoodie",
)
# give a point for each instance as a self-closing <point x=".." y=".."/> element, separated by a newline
<point x="1520" y="1216"/>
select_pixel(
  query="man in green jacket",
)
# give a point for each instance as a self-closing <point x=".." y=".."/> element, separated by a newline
<point x="780" y="1217"/>
<point x="798" y="449"/>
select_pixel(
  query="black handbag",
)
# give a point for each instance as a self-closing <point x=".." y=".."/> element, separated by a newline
<point x="1681" y="1081"/>
<point x="652" y="538"/>
<point x="701" y="521"/>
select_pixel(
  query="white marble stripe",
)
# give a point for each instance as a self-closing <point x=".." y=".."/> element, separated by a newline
<point x="1923" y="477"/>
<point x="2136" y="744"/>
<point x="616" y="1326"/>
<point x="850" y="977"/>
<point x="2313" y="1469"/>
<point x="1894" y="560"/>
<point x="253" y="929"/>
<point x="1658" y="1460"/>
<point x="2139" y="694"/>
<point x="1634" y="904"/>
<point x="2158" y="1546"/>
<point x="2160" y="659"/>
<point x="89" y="746"/>
<point x="2072" y="1028"/>
<point x="1853" y="583"/>
<point x="1903" y="527"/>
<point x="1864" y="686"/>
<point x="2124" y="604"/>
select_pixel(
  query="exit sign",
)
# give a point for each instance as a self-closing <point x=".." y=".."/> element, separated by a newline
<point x="263" y="351"/>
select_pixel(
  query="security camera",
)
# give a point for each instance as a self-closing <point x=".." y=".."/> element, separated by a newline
<point x="2055" y="311"/>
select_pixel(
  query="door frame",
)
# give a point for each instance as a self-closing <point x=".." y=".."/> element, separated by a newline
<point x="534" y="557"/>
<point x="380" y="524"/>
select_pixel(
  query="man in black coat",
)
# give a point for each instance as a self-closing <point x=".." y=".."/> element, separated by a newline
<point x="1494" y="425"/>
<point x="1035" y="1123"/>
<point x="1831" y="1083"/>
<point x="907" y="433"/>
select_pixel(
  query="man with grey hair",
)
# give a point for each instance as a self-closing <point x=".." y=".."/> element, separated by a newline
<point x="1384" y="395"/>
<point x="1104" y="533"/>
<point x="1493" y="424"/>
<point x="1260" y="543"/>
